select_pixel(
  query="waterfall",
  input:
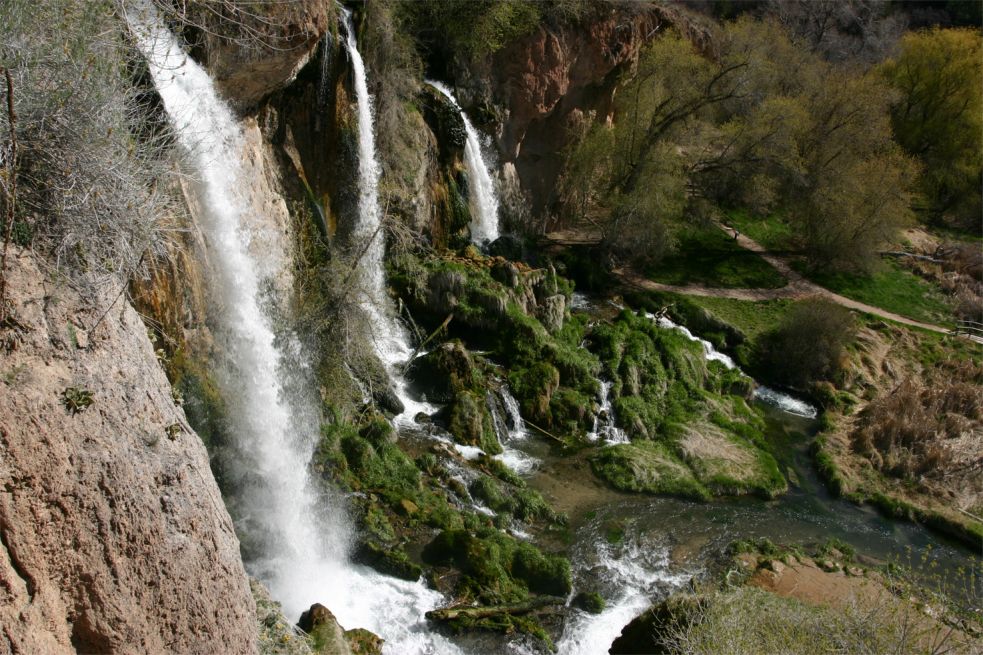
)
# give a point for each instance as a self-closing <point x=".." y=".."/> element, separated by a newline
<point x="481" y="188"/>
<point x="605" y="427"/>
<point x="765" y="394"/>
<point x="301" y="536"/>
<point x="391" y="341"/>
<point x="511" y="429"/>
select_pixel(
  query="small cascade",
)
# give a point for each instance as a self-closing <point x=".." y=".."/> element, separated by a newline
<point x="629" y="576"/>
<point x="605" y="426"/>
<point x="481" y="187"/>
<point x="767" y="395"/>
<point x="392" y="343"/>
<point x="298" y="537"/>
<point x="510" y="430"/>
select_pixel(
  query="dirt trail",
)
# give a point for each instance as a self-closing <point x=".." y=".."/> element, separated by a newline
<point x="797" y="287"/>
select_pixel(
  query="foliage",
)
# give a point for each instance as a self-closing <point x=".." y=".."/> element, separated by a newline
<point x="808" y="345"/>
<point x="92" y="169"/>
<point x="905" y="433"/>
<point x="938" y="117"/>
<point x="765" y="125"/>
<point x="76" y="399"/>
<point x="708" y="256"/>
<point x="751" y="620"/>
<point x="889" y="287"/>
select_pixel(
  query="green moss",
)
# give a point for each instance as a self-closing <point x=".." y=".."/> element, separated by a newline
<point x="470" y="422"/>
<point x="647" y="467"/>
<point x="498" y="568"/>
<point x="589" y="602"/>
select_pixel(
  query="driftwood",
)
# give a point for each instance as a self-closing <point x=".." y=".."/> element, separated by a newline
<point x="544" y="431"/>
<point x="427" y="340"/>
<point x="536" y="605"/>
<point x="901" y="253"/>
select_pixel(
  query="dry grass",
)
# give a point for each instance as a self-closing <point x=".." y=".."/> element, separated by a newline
<point x="911" y="431"/>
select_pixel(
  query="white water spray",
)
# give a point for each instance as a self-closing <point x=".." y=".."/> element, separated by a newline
<point x="302" y="539"/>
<point x="767" y="395"/>
<point x="605" y="426"/>
<point x="481" y="188"/>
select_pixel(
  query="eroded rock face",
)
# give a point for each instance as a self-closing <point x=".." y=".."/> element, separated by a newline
<point x="114" y="535"/>
<point x="547" y="80"/>
<point x="254" y="49"/>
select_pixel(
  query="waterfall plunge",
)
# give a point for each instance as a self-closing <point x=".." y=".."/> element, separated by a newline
<point x="481" y="188"/>
<point x="302" y="536"/>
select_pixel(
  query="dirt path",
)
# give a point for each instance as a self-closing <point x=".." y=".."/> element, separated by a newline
<point x="797" y="287"/>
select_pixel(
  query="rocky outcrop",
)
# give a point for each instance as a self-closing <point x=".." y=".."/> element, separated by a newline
<point x="114" y="534"/>
<point x="545" y="82"/>
<point x="254" y="49"/>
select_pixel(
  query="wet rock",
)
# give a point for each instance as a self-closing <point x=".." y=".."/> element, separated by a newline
<point x="589" y="602"/>
<point x="552" y="311"/>
<point x="321" y="624"/>
<point x="388" y="401"/>
<point x="508" y="246"/>
<point x="645" y="635"/>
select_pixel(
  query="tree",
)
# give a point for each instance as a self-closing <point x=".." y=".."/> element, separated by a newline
<point x="808" y="345"/>
<point x="938" y="117"/>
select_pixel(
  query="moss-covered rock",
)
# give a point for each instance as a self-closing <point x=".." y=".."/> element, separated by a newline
<point x="445" y="371"/>
<point x="470" y="422"/>
<point x="388" y="560"/>
<point x="498" y="568"/>
<point x="647" y="466"/>
<point x="589" y="601"/>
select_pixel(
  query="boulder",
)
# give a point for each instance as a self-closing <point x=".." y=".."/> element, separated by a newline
<point x="252" y="53"/>
<point x="321" y="624"/>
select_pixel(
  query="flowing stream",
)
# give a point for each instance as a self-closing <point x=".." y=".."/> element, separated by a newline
<point x="481" y="187"/>
<point x="300" y="536"/>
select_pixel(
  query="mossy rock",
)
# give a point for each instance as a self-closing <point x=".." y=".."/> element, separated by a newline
<point x="470" y="422"/>
<point x="445" y="371"/>
<point x="363" y="642"/>
<point x="648" y="467"/>
<point x="387" y="560"/>
<point x="498" y="568"/>
<point x="589" y="601"/>
<point x="728" y="465"/>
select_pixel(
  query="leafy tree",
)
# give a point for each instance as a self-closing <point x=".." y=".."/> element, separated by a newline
<point x="808" y="345"/>
<point x="938" y="117"/>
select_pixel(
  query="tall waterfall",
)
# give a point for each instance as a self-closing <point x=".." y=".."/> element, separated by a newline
<point x="301" y="536"/>
<point x="481" y="188"/>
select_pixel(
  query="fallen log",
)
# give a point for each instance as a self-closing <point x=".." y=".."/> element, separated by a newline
<point x="538" y="604"/>
<point x="900" y="253"/>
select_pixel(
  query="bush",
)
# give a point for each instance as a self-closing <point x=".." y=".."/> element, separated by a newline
<point x="91" y="165"/>
<point x="808" y="346"/>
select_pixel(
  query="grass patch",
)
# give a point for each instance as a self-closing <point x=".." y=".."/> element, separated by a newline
<point x="712" y="258"/>
<point x="751" y="318"/>
<point x="647" y="466"/>
<point x="889" y="287"/>
<point x="770" y="231"/>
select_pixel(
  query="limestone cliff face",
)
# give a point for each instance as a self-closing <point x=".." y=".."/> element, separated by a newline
<point x="254" y="49"/>
<point x="543" y="83"/>
<point x="114" y="535"/>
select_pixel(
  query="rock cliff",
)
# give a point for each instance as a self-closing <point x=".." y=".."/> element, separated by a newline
<point x="546" y="81"/>
<point x="114" y="535"/>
